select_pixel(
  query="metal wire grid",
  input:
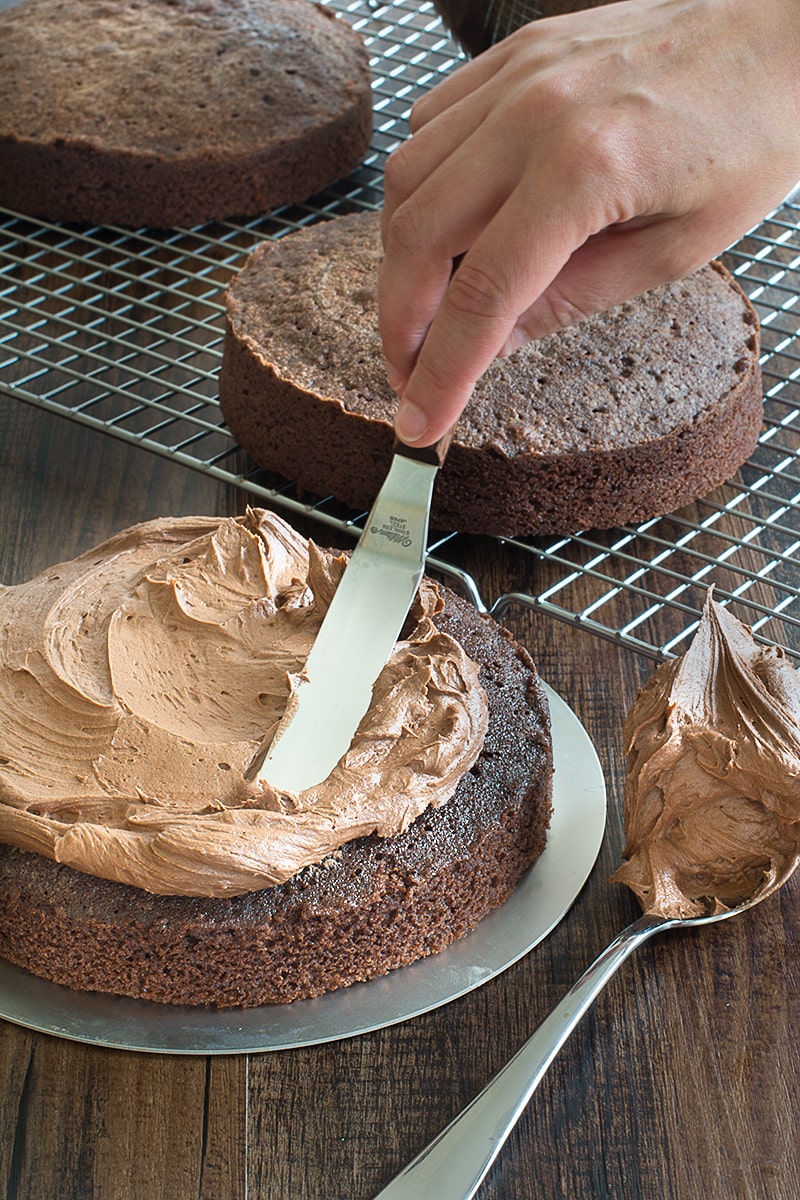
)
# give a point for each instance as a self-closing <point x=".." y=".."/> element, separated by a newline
<point x="122" y="331"/>
<point x="745" y="537"/>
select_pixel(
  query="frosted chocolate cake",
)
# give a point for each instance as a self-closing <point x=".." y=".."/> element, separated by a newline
<point x="138" y="684"/>
<point x="625" y="416"/>
<point x="174" y="112"/>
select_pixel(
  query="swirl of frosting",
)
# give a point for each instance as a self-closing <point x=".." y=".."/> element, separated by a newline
<point x="139" y="682"/>
<point x="712" y="802"/>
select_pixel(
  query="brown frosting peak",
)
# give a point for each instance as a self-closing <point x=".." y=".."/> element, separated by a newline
<point x="140" y="681"/>
<point x="712" y="803"/>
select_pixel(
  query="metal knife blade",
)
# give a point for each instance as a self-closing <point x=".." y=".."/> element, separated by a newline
<point x="360" y="627"/>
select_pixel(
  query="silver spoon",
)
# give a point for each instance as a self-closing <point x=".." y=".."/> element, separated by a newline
<point x="453" y="1166"/>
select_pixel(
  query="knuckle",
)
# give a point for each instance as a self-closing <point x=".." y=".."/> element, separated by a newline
<point x="606" y="150"/>
<point x="440" y="379"/>
<point x="559" y="310"/>
<point x="476" y="292"/>
<point x="433" y="374"/>
<point x="594" y="160"/>
<point x="405" y="234"/>
<point x="398" y="179"/>
<point x="418" y="115"/>
<point x="671" y="264"/>
<point x="547" y="95"/>
<point x="551" y="94"/>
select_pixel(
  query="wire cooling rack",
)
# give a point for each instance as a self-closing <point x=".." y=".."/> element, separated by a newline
<point x="122" y="331"/>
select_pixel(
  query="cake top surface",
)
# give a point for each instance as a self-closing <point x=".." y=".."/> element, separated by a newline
<point x="175" y="77"/>
<point x="307" y="305"/>
<point x="139" y="682"/>
<point x="712" y="806"/>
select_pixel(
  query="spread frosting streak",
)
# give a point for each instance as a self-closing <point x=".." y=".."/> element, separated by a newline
<point x="712" y="805"/>
<point x="139" y="682"/>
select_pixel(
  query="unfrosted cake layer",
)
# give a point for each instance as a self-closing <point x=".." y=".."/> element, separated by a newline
<point x="173" y="112"/>
<point x="625" y="416"/>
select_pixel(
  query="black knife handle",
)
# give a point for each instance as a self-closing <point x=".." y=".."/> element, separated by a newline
<point x="434" y="454"/>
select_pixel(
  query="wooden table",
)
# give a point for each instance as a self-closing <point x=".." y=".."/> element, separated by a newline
<point x="681" y="1082"/>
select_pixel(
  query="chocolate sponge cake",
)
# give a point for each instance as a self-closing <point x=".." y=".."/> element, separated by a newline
<point x="625" y="416"/>
<point x="138" y="856"/>
<point x="174" y="112"/>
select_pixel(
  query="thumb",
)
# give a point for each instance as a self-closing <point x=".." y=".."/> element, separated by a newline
<point x="474" y="321"/>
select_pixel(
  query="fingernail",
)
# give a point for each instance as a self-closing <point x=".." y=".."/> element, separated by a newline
<point x="410" y="423"/>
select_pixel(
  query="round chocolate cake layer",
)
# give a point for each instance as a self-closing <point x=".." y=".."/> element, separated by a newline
<point x="625" y="416"/>
<point x="173" y="112"/>
<point x="377" y="904"/>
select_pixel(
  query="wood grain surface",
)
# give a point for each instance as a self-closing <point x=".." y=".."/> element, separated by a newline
<point x="680" y="1083"/>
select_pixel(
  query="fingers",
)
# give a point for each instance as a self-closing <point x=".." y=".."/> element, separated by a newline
<point x="442" y="188"/>
<point x="610" y="268"/>
<point x="432" y="146"/>
<point x="525" y="263"/>
<point x="445" y="215"/>
<point x="626" y="260"/>
<point x="442" y="121"/>
<point x="458" y="86"/>
<point x="516" y="225"/>
<point x="503" y="273"/>
<point x="473" y="325"/>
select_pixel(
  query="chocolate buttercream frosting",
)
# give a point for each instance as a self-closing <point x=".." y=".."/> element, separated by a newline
<point x="712" y="804"/>
<point x="139" y="682"/>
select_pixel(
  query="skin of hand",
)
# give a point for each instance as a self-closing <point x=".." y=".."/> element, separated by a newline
<point x="585" y="159"/>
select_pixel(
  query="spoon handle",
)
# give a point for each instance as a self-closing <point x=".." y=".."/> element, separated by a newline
<point x="454" y="1164"/>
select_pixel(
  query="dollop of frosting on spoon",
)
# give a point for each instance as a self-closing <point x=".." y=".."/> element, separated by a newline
<point x="139" y="682"/>
<point x="712" y="802"/>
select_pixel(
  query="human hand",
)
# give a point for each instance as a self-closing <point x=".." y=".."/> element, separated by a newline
<point x="582" y="161"/>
